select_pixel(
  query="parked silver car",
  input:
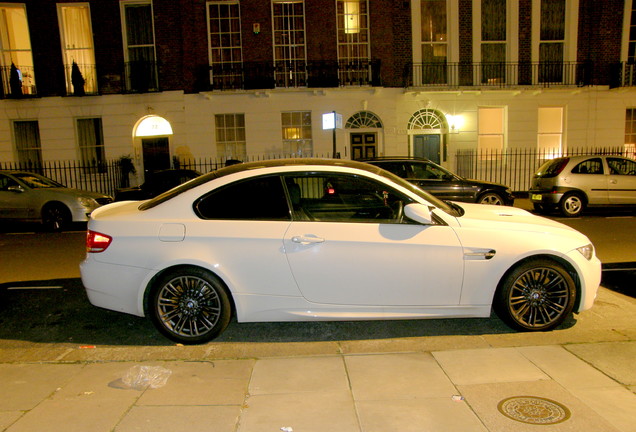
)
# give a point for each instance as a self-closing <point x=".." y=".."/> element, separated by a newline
<point x="25" y="196"/>
<point x="573" y="183"/>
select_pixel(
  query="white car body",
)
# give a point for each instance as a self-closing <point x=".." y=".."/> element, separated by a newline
<point x="294" y="270"/>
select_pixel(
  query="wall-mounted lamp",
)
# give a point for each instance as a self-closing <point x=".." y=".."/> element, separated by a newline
<point x="455" y="123"/>
<point x="256" y="28"/>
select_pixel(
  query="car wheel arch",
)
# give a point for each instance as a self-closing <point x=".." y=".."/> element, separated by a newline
<point x="567" y="266"/>
<point x="182" y="267"/>
<point x="68" y="215"/>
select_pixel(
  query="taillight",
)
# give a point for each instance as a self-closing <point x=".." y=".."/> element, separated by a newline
<point x="97" y="242"/>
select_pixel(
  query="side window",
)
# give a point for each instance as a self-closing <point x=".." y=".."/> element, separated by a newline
<point x="590" y="166"/>
<point x="343" y="198"/>
<point x="396" y="168"/>
<point x="621" y="166"/>
<point x="261" y="198"/>
<point x="427" y="171"/>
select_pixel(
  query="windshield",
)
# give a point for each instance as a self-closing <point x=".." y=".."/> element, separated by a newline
<point x="35" y="181"/>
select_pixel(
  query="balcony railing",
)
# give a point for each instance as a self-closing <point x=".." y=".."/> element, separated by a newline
<point x="83" y="84"/>
<point x="292" y="74"/>
<point x="18" y="81"/>
<point x="545" y="74"/>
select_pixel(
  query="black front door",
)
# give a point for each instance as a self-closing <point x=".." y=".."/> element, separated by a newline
<point x="156" y="153"/>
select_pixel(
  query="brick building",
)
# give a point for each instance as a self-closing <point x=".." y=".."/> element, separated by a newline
<point x="164" y="81"/>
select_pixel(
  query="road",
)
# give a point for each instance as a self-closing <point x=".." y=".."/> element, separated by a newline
<point x="43" y="301"/>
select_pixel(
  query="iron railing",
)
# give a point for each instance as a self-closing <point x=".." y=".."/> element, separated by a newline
<point x="515" y="167"/>
<point x="498" y="75"/>
<point x="291" y="74"/>
<point x="96" y="176"/>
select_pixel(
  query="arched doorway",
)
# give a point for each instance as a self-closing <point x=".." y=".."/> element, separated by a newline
<point x="428" y="128"/>
<point x="364" y="137"/>
<point x="154" y="134"/>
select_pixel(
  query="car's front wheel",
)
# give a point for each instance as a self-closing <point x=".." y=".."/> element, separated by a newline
<point x="491" y="198"/>
<point x="537" y="295"/>
<point x="189" y="305"/>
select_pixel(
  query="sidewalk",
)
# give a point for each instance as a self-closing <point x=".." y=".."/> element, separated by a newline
<point x="447" y="390"/>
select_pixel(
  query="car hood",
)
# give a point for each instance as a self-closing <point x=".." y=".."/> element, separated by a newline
<point x="483" y="182"/>
<point x="70" y="192"/>
<point x="510" y="219"/>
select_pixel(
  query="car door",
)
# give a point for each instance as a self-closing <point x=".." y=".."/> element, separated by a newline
<point x="14" y="199"/>
<point x="622" y="180"/>
<point x="351" y="249"/>
<point x="241" y="230"/>
<point x="590" y="176"/>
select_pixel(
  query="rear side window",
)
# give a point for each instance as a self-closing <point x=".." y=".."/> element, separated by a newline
<point x="261" y="198"/>
<point x="552" y="168"/>
<point x="590" y="166"/>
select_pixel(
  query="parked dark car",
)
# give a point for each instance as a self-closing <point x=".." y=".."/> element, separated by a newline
<point x="155" y="184"/>
<point x="444" y="184"/>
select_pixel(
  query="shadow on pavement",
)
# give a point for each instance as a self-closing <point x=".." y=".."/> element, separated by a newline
<point x="58" y="311"/>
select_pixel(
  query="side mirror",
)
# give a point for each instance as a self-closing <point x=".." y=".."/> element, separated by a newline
<point x="15" y="188"/>
<point x="419" y="213"/>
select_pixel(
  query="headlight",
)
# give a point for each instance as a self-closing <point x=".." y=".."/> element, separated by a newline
<point x="587" y="251"/>
<point x="88" y="202"/>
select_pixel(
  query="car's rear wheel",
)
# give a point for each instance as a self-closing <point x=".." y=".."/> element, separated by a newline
<point x="491" y="198"/>
<point x="537" y="295"/>
<point x="571" y="205"/>
<point x="189" y="305"/>
<point x="55" y="217"/>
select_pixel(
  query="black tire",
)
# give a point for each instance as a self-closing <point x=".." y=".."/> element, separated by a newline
<point x="491" y="198"/>
<point x="571" y="205"/>
<point x="55" y="217"/>
<point x="189" y="305"/>
<point x="537" y="295"/>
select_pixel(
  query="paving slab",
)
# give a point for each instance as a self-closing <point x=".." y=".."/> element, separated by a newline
<point x="492" y="365"/>
<point x="615" y="359"/>
<point x="180" y="418"/>
<point x="387" y="377"/>
<point x="486" y="401"/>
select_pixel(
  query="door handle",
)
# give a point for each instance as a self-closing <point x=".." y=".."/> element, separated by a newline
<point x="612" y="181"/>
<point x="305" y="240"/>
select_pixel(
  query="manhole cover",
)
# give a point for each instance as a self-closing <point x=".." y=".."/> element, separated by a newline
<point x="533" y="410"/>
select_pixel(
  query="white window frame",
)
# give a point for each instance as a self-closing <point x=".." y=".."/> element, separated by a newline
<point x="123" y="5"/>
<point x="289" y="71"/>
<point x="549" y="131"/>
<point x="230" y="68"/>
<point x="17" y="55"/>
<point x="87" y="67"/>
<point x="491" y="138"/>
<point x="296" y="134"/>
<point x="236" y="147"/>
<point x="571" y="30"/>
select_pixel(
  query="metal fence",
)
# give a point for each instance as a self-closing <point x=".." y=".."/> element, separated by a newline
<point x="103" y="177"/>
<point x="512" y="167"/>
<point x="515" y="167"/>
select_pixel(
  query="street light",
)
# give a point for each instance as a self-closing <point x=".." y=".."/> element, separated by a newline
<point x="332" y="121"/>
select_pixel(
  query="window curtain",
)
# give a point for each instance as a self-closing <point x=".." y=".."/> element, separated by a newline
<point x="78" y="45"/>
<point x="27" y="143"/>
<point x="89" y="136"/>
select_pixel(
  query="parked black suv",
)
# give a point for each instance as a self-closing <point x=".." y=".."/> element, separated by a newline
<point x="443" y="183"/>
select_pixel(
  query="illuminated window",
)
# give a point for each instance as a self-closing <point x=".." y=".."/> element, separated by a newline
<point x="550" y="130"/>
<point x="15" y="51"/>
<point x="230" y="136"/>
<point x="630" y="132"/>
<point x="296" y="133"/>
<point x="77" y="47"/>
<point x="491" y="131"/>
<point x="352" y="18"/>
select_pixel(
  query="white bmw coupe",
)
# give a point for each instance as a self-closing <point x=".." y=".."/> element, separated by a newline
<point x="313" y="239"/>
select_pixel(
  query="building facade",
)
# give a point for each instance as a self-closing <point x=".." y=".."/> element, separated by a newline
<point x="164" y="81"/>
